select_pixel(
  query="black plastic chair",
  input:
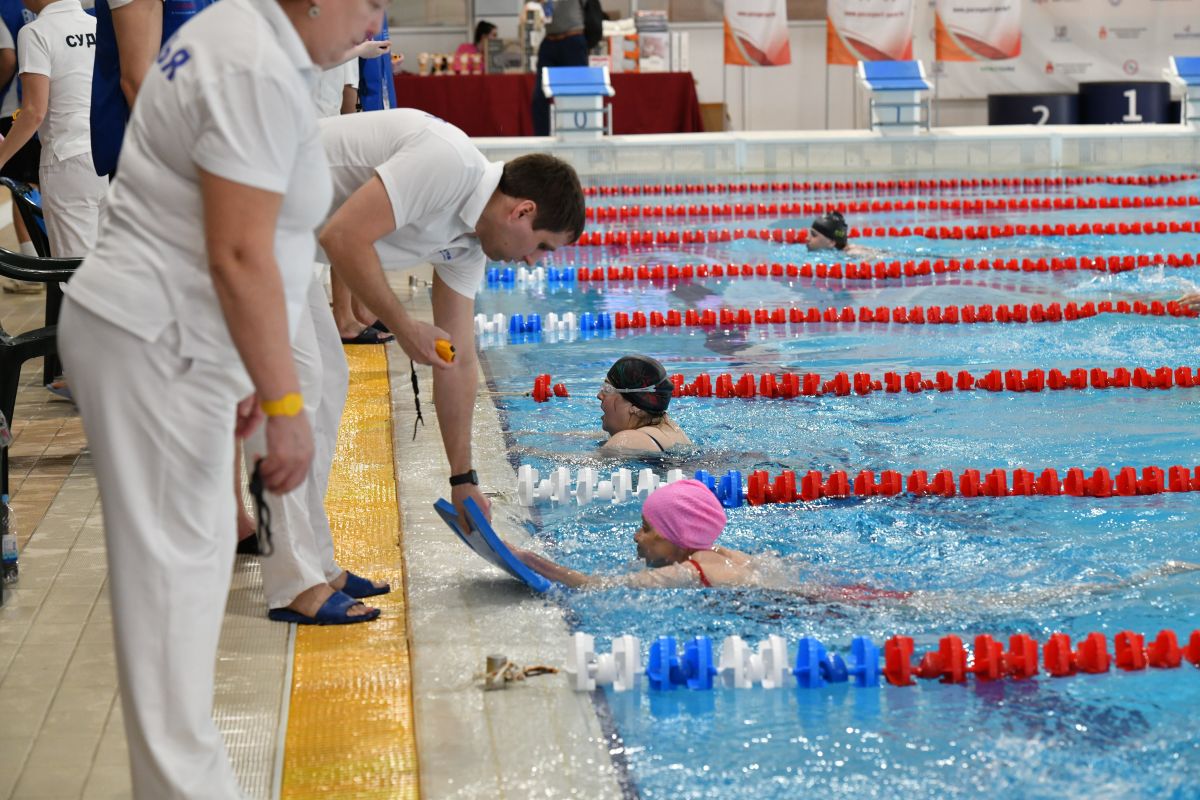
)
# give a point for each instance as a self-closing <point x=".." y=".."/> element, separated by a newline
<point x="29" y="206"/>
<point x="16" y="350"/>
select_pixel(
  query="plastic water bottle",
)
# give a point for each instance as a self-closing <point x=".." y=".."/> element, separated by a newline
<point x="8" y="540"/>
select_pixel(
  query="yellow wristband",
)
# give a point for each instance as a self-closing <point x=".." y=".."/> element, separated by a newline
<point x="287" y="406"/>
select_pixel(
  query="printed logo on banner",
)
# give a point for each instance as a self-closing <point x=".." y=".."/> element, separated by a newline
<point x="1187" y="33"/>
<point x="1127" y="33"/>
<point x="1060" y="33"/>
<point x="1068" y="67"/>
<point x="1130" y="67"/>
<point x="1114" y="2"/>
<point x="1103" y="32"/>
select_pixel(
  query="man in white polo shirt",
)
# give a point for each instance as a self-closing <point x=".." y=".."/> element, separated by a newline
<point x="408" y="189"/>
<point x="55" y="65"/>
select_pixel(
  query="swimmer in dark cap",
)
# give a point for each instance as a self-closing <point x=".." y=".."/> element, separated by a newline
<point x="634" y="398"/>
<point x="829" y="232"/>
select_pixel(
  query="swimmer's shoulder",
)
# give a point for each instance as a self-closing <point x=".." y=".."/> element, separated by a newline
<point x="636" y="440"/>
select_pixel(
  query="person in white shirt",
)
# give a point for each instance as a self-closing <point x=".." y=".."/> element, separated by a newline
<point x="55" y="65"/>
<point x="8" y="74"/>
<point x="23" y="166"/>
<point x="182" y="313"/>
<point x="410" y="188"/>
<point x="302" y="566"/>
<point x="336" y="90"/>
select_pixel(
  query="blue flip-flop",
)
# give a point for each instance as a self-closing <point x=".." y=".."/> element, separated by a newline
<point x="333" y="612"/>
<point x="361" y="587"/>
<point x="368" y="336"/>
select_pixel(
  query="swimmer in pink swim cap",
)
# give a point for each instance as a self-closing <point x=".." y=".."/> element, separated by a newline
<point x="682" y="521"/>
<point x="678" y="541"/>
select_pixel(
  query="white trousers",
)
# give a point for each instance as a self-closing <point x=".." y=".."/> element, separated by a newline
<point x="303" y="555"/>
<point x="160" y="428"/>
<point x="72" y="195"/>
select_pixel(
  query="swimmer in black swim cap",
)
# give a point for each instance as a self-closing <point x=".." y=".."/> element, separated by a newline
<point x="829" y="232"/>
<point x="634" y="399"/>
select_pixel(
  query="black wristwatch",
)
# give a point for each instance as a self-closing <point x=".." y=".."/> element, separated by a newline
<point x="467" y="477"/>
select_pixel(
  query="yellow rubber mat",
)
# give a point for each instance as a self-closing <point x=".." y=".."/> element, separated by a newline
<point x="350" y="723"/>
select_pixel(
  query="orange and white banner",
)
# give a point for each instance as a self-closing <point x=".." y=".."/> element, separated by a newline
<point x="978" y="30"/>
<point x="868" y="30"/>
<point x="756" y="33"/>
<point x="1061" y="43"/>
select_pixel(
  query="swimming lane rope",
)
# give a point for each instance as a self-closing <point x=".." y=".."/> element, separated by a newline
<point x="899" y="315"/>
<point x="737" y="666"/>
<point x="588" y="485"/>
<point x="790" y="385"/>
<point x="966" y="205"/>
<point x="506" y="277"/>
<point x="887" y="185"/>
<point x="678" y="236"/>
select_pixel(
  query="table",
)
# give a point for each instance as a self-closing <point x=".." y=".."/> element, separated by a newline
<point x="498" y="105"/>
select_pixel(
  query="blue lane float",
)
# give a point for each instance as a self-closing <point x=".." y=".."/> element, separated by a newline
<point x="739" y="666"/>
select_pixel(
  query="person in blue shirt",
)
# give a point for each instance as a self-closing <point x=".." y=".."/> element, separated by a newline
<point x="129" y="34"/>
<point x="377" y="90"/>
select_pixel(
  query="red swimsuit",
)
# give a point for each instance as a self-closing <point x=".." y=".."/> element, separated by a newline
<point x="703" y="577"/>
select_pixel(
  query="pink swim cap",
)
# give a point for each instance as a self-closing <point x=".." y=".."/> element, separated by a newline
<point x="686" y="513"/>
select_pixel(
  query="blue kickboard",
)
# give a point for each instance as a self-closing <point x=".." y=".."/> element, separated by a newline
<point x="480" y="537"/>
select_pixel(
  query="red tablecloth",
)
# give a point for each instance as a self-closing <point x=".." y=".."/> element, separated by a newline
<point x="498" y="105"/>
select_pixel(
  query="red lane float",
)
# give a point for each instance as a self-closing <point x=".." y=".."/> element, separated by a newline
<point x="896" y="185"/>
<point x="788" y="487"/>
<point x="901" y="315"/>
<point x="949" y="663"/>
<point x="678" y="236"/>
<point x="882" y="270"/>
<point x="790" y="385"/>
<point x="965" y="205"/>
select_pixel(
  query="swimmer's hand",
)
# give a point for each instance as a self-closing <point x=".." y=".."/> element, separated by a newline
<point x="419" y="342"/>
<point x="1190" y="301"/>
<point x="370" y="49"/>
<point x="461" y="492"/>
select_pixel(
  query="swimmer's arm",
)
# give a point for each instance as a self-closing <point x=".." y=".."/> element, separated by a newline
<point x="555" y="572"/>
<point x="1191" y="300"/>
<point x="669" y="577"/>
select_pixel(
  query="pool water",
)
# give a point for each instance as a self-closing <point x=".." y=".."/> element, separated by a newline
<point x="1001" y="566"/>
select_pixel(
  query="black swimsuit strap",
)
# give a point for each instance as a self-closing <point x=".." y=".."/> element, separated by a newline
<point x="656" y="441"/>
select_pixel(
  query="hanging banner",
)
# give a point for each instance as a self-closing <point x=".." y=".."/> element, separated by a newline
<point x="756" y="33"/>
<point x="978" y="30"/>
<point x="1062" y="43"/>
<point x="868" y="30"/>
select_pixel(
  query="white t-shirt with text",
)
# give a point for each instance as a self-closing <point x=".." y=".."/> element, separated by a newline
<point x="61" y="44"/>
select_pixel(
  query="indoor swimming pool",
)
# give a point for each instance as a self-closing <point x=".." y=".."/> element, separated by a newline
<point x="1002" y="566"/>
